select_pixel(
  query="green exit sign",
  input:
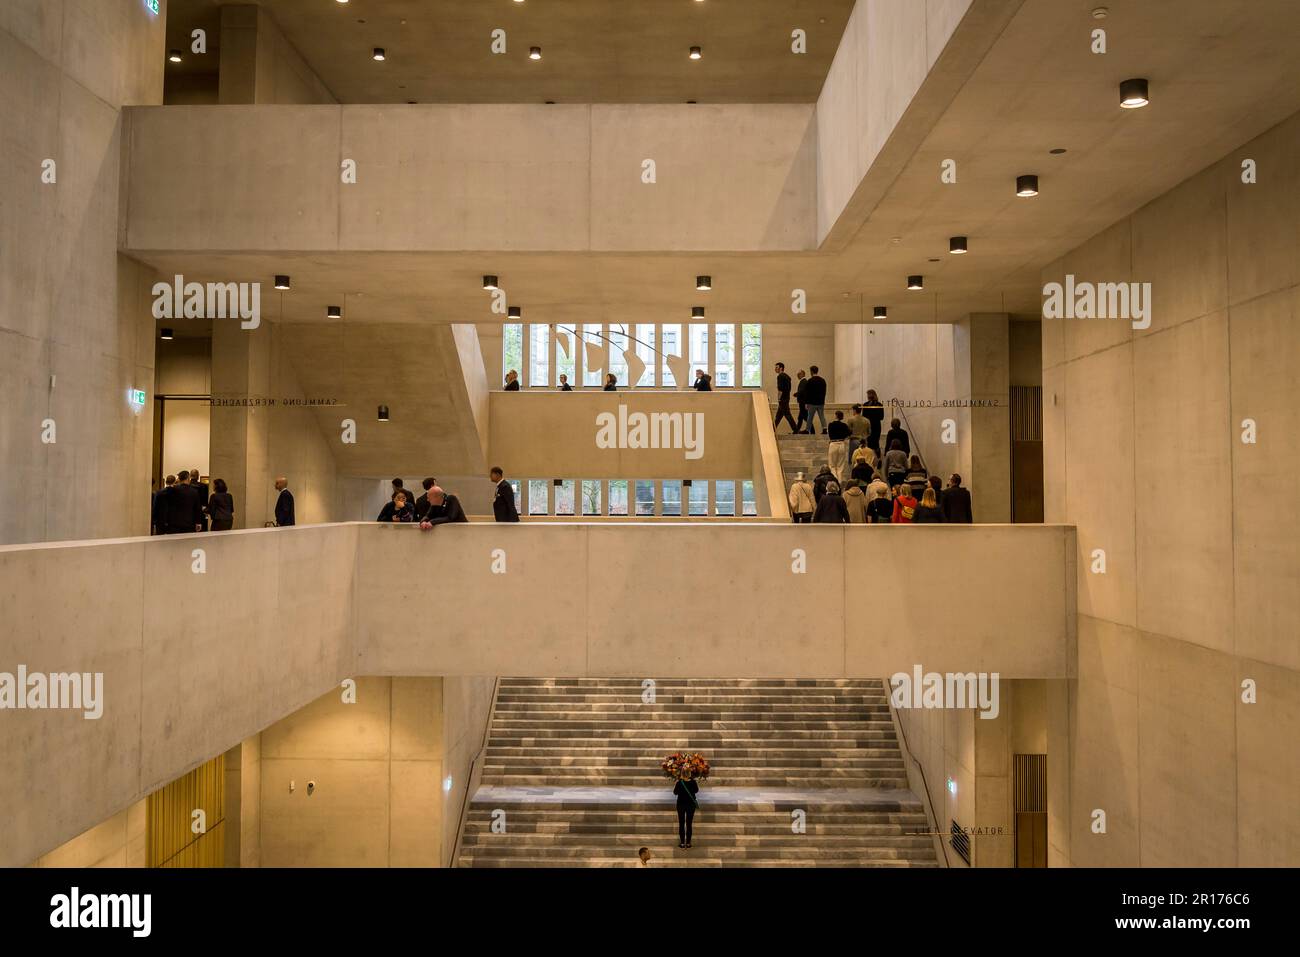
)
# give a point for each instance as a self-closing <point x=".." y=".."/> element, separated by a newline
<point x="137" y="395"/>
<point x="152" y="5"/>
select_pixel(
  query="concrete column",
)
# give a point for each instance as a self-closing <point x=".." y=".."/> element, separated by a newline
<point x="982" y="353"/>
<point x="259" y="65"/>
<point x="239" y="434"/>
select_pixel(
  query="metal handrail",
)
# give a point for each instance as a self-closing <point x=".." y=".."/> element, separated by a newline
<point x="925" y="785"/>
<point x="469" y="781"/>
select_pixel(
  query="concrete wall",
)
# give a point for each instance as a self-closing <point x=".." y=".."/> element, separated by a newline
<point x="192" y="663"/>
<point x="554" y="434"/>
<point x="634" y="599"/>
<point x="117" y="842"/>
<point x="570" y="179"/>
<point x="189" y="672"/>
<point x="1144" y="452"/>
<point x="801" y="346"/>
<point x="70" y="307"/>
<point x="881" y="98"/>
<point x="259" y="65"/>
<point x="390" y="774"/>
<point x="252" y="445"/>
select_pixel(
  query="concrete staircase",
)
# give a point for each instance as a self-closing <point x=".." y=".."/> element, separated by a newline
<point x="572" y="769"/>
<point x="800" y="453"/>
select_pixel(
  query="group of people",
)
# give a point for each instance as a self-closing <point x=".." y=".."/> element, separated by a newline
<point x="858" y="485"/>
<point x="703" y="382"/>
<point x="436" y="506"/>
<point x="810" y="393"/>
<point x="186" y="504"/>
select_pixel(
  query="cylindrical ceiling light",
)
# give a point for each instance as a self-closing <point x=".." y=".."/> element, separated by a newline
<point x="697" y="312"/>
<point x="489" y="282"/>
<point x="915" y="282"/>
<point x="515" y="312"/>
<point x="957" y="245"/>
<point x="379" y="53"/>
<point x="703" y="283"/>
<point x="1027" y="185"/>
<point x="696" y="53"/>
<point x="383" y="413"/>
<point x="174" y="56"/>
<point x="167" y="335"/>
<point x="534" y="53"/>
<point x="282" y="282"/>
<point x="1133" y="93"/>
<point x="879" y="312"/>
<point x="333" y="312"/>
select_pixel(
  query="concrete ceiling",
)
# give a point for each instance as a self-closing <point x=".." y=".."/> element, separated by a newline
<point x="1221" y="73"/>
<point x="593" y="51"/>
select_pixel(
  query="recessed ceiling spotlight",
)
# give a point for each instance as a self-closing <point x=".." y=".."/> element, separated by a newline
<point x="1133" y="93"/>
<point x="167" y="335"/>
<point x="1027" y="185"/>
<point x="333" y="312"/>
<point x="534" y="53"/>
<point x="934" y="260"/>
<point x="895" y="240"/>
<point x="282" y="282"/>
<point x="957" y="245"/>
<point x="515" y="312"/>
<point x="695" y="53"/>
<point x="1058" y="151"/>
<point x="174" y="56"/>
<point x="697" y="312"/>
<point x="703" y="283"/>
<point x="550" y="102"/>
<point x="342" y="1"/>
<point x="378" y="54"/>
<point x="879" y="312"/>
<point x="489" y="282"/>
<point x="915" y="282"/>
<point x="1099" y="13"/>
<point x="690" y="102"/>
<point x="383" y="413"/>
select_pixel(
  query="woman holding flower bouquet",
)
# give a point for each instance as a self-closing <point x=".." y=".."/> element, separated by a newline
<point x="685" y="789"/>
<point x="685" y="768"/>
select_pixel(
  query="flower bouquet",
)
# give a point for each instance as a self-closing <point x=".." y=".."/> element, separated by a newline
<point x="682" y="763"/>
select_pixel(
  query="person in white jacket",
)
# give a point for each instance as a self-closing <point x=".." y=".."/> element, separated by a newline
<point x="801" y="499"/>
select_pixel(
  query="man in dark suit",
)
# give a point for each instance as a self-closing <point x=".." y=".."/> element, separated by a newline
<point x="814" y="397"/>
<point x="783" y="399"/>
<point x="204" y="492"/>
<point x="284" y="504"/>
<point x="444" y="509"/>
<point x="422" y="503"/>
<point x="181" y="510"/>
<point x="503" y="503"/>
<point x="955" y="502"/>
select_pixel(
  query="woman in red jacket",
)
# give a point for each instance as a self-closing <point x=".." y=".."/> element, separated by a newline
<point x="904" y="505"/>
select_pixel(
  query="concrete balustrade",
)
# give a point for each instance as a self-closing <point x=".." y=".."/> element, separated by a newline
<point x="193" y="662"/>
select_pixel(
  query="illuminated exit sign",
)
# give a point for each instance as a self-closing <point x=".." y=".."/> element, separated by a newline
<point x="152" y="5"/>
<point x="137" y="395"/>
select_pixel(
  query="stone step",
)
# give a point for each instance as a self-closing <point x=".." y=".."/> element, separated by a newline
<point x="552" y="749"/>
<point x="661" y="859"/>
<point x="664" y="824"/>
<point x="517" y="841"/>
<point x="827" y="777"/>
<point x="647" y="811"/>
<point x="697" y="740"/>
<point x="519" y="762"/>
<point x="731" y="684"/>
<point x="765" y="708"/>
<point x="721" y="851"/>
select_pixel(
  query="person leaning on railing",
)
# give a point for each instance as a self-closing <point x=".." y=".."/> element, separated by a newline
<point x="444" y="509"/>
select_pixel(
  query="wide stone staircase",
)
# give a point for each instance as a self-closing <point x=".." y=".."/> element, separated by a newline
<point x="800" y="453"/>
<point x="804" y="773"/>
